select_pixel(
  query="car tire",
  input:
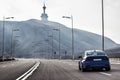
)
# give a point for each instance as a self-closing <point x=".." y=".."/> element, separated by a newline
<point x="79" y="67"/>
<point x="83" y="69"/>
<point x="108" y="69"/>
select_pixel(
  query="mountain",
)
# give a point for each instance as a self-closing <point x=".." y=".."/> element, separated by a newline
<point x="114" y="52"/>
<point x="37" y="38"/>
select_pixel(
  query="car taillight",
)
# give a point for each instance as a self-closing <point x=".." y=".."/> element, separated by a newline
<point x="105" y="58"/>
<point x="88" y="59"/>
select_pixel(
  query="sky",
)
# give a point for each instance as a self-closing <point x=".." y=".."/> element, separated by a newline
<point x="86" y="13"/>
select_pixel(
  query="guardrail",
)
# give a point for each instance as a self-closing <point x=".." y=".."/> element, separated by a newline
<point x="115" y="59"/>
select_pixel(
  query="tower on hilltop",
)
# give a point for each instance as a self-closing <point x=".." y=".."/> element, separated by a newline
<point x="44" y="16"/>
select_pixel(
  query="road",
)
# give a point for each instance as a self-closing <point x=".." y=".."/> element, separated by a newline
<point x="68" y="70"/>
<point x="54" y="70"/>
<point x="11" y="70"/>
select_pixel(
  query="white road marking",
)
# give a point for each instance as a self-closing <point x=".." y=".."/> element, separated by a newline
<point x="3" y="66"/>
<point x="29" y="72"/>
<point x="105" y="73"/>
<point x="13" y="64"/>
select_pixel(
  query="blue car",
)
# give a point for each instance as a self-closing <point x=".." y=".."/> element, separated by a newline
<point x="94" y="59"/>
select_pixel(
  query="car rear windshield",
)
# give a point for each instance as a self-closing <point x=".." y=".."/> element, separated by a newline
<point x="95" y="54"/>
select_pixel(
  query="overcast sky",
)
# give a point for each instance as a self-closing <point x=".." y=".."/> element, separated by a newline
<point x="86" y="13"/>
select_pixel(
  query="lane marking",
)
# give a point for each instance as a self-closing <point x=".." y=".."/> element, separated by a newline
<point x="13" y="64"/>
<point x="4" y="66"/>
<point x="105" y="73"/>
<point x="29" y="72"/>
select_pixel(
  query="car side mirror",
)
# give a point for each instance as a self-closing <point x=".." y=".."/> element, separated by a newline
<point x="80" y="57"/>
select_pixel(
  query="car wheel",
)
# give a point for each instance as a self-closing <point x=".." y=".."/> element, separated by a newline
<point x="83" y="69"/>
<point x="79" y="67"/>
<point x="108" y="69"/>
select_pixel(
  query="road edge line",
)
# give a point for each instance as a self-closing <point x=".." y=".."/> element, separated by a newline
<point x="23" y="75"/>
<point x="30" y="73"/>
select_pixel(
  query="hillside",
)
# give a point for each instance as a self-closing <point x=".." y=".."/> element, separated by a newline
<point x="35" y="39"/>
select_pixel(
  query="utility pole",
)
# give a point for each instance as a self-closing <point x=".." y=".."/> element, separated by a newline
<point x="102" y="25"/>
<point x="59" y="40"/>
<point x="71" y="17"/>
<point x="3" y="45"/>
<point x="12" y="52"/>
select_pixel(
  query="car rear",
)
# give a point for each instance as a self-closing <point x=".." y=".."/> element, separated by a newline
<point x="96" y="62"/>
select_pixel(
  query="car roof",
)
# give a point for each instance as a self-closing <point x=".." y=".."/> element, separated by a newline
<point x="91" y="51"/>
<point x="94" y="51"/>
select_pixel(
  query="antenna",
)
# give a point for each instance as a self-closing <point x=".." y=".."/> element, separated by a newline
<point x="44" y="1"/>
<point x="44" y="16"/>
<point x="44" y="7"/>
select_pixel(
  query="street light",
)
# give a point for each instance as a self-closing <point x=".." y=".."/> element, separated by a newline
<point x="71" y="18"/>
<point x="4" y="18"/>
<point x="52" y="42"/>
<point x="59" y="41"/>
<point x="13" y="30"/>
<point x="15" y="44"/>
<point x="102" y="25"/>
<point x="47" y="56"/>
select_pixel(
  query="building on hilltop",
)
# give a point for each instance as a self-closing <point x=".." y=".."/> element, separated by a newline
<point x="44" y="16"/>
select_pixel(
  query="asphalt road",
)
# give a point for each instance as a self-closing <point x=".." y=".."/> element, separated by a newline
<point x="68" y="70"/>
<point x="54" y="70"/>
<point x="11" y="70"/>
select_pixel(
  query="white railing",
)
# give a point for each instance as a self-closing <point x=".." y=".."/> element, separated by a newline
<point x="115" y="59"/>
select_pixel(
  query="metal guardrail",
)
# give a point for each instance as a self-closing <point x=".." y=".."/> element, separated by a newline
<point x="115" y="59"/>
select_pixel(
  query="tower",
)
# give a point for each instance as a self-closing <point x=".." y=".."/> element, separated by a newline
<point x="44" y="16"/>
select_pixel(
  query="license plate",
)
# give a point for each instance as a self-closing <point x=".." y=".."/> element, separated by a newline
<point x="97" y="59"/>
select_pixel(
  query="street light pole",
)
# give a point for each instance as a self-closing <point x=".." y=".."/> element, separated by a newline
<point x="3" y="39"/>
<point x="12" y="44"/>
<point x="12" y="52"/>
<point x="72" y="37"/>
<point x="59" y="40"/>
<point x="59" y="43"/>
<point x="3" y="45"/>
<point x="102" y="25"/>
<point x="71" y="17"/>
<point x="52" y="44"/>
